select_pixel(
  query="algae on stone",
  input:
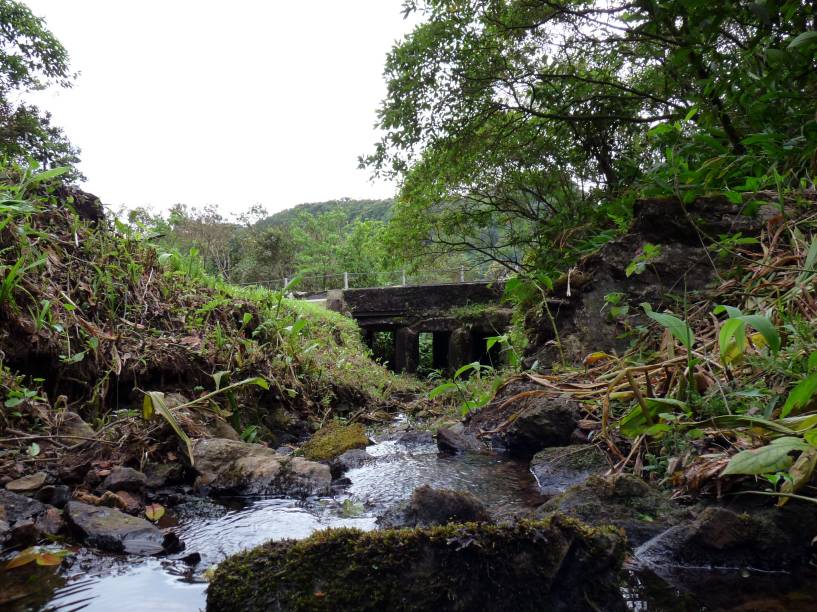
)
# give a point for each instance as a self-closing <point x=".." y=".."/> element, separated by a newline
<point x="554" y="564"/>
<point x="334" y="439"/>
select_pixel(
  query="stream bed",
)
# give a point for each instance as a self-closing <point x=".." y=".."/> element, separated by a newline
<point x="216" y="529"/>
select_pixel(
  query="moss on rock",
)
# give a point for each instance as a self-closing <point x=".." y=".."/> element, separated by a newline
<point x="334" y="439"/>
<point x="552" y="564"/>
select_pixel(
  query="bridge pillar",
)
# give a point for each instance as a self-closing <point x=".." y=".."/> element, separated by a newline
<point x="406" y="350"/>
<point x="460" y="347"/>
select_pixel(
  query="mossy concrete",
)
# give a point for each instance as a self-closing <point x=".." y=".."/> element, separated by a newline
<point x="554" y="564"/>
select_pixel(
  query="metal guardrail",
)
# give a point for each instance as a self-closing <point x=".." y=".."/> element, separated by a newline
<point x="347" y="280"/>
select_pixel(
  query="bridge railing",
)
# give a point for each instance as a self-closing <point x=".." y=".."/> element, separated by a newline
<point x="371" y="280"/>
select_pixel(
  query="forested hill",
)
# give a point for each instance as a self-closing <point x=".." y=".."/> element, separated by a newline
<point x="355" y="210"/>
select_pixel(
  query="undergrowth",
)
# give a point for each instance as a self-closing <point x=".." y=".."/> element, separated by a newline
<point x="92" y="316"/>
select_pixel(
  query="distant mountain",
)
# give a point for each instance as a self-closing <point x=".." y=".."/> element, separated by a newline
<point x="364" y="210"/>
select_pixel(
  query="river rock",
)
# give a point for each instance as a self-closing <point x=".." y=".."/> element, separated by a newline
<point x="226" y="466"/>
<point x="415" y="438"/>
<point x="350" y="460"/>
<point x="556" y="565"/>
<point x="764" y="538"/>
<point x="543" y="422"/>
<point x="429" y="506"/>
<point x="158" y="475"/>
<point x="622" y="500"/>
<point x="55" y="495"/>
<point x="71" y="424"/>
<point x="334" y="439"/>
<point x="560" y="467"/>
<point x="113" y="530"/>
<point x="25" y="519"/>
<point x="124" y="479"/>
<point x="455" y="439"/>
<point x="26" y="484"/>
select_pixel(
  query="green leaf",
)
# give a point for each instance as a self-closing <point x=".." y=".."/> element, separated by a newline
<point x="218" y="376"/>
<point x="157" y="400"/>
<point x="474" y="365"/>
<point x="14" y="402"/>
<point x="811" y="364"/>
<point x="440" y="389"/>
<point x="731" y="311"/>
<point x="769" y="459"/>
<point x="802" y="39"/>
<point x="800" y="396"/>
<point x="732" y="340"/>
<point x="33" y="449"/>
<point x="764" y="326"/>
<point x="676" y="326"/>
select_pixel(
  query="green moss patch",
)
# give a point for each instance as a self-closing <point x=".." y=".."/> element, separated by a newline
<point x="335" y="439"/>
<point x="552" y="564"/>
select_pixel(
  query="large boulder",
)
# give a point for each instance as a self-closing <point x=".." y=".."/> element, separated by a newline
<point x="764" y="538"/>
<point x="623" y="500"/>
<point x="556" y="564"/>
<point x="231" y="467"/>
<point x="679" y="264"/>
<point x="110" y="529"/>
<point x="542" y="422"/>
<point x="455" y="439"/>
<point x="428" y="507"/>
<point x="524" y="418"/>
<point x="560" y="467"/>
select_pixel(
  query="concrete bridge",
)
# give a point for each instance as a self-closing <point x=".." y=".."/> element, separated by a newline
<point x="454" y="318"/>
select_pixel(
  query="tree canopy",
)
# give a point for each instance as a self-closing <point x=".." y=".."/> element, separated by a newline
<point x="31" y="58"/>
<point x="536" y="116"/>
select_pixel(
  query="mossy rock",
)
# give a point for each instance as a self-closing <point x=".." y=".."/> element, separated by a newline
<point x="623" y="500"/>
<point x="552" y="564"/>
<point x="335" y="439"/>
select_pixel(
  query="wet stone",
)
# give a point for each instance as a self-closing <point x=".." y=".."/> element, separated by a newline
<point x="158" y="475"/>
<point x="454" y="440"/>
<point x="558" y="468"/>
<point x="113" y="530"/>
<point x="55" y="495"/>
<point x="415" y="438"/>
<point x="27" y="483"/>
<point x="124" y="479"/>
<point x="429" y="506"/>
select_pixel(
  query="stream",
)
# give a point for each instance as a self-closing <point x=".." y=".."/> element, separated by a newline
<point x="216" y="529"/>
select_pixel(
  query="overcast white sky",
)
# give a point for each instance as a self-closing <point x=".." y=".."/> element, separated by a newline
<point x="232" y="103"/>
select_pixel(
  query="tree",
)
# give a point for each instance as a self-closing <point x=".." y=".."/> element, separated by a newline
<point x="31" y="58"/>
<point x="534" y="116"/>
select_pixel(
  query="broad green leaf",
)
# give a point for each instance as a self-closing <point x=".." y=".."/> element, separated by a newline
<point x="678" y="328"/>
<point x="732" y="340"/>
<point x="440" y="389"/>
<point x="764" y="326"/>
<point x="802" y="39"/>
<point x="800" y="396"/>
<point x="467" y="367"/>
<point x="812" y="362"/>
<point x="800" y="472"/>
<point x="769" y="459"/>
<point x="731" y="311"/>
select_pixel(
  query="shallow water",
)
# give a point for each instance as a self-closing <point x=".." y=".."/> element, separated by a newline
<point x="217" y="529"/>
